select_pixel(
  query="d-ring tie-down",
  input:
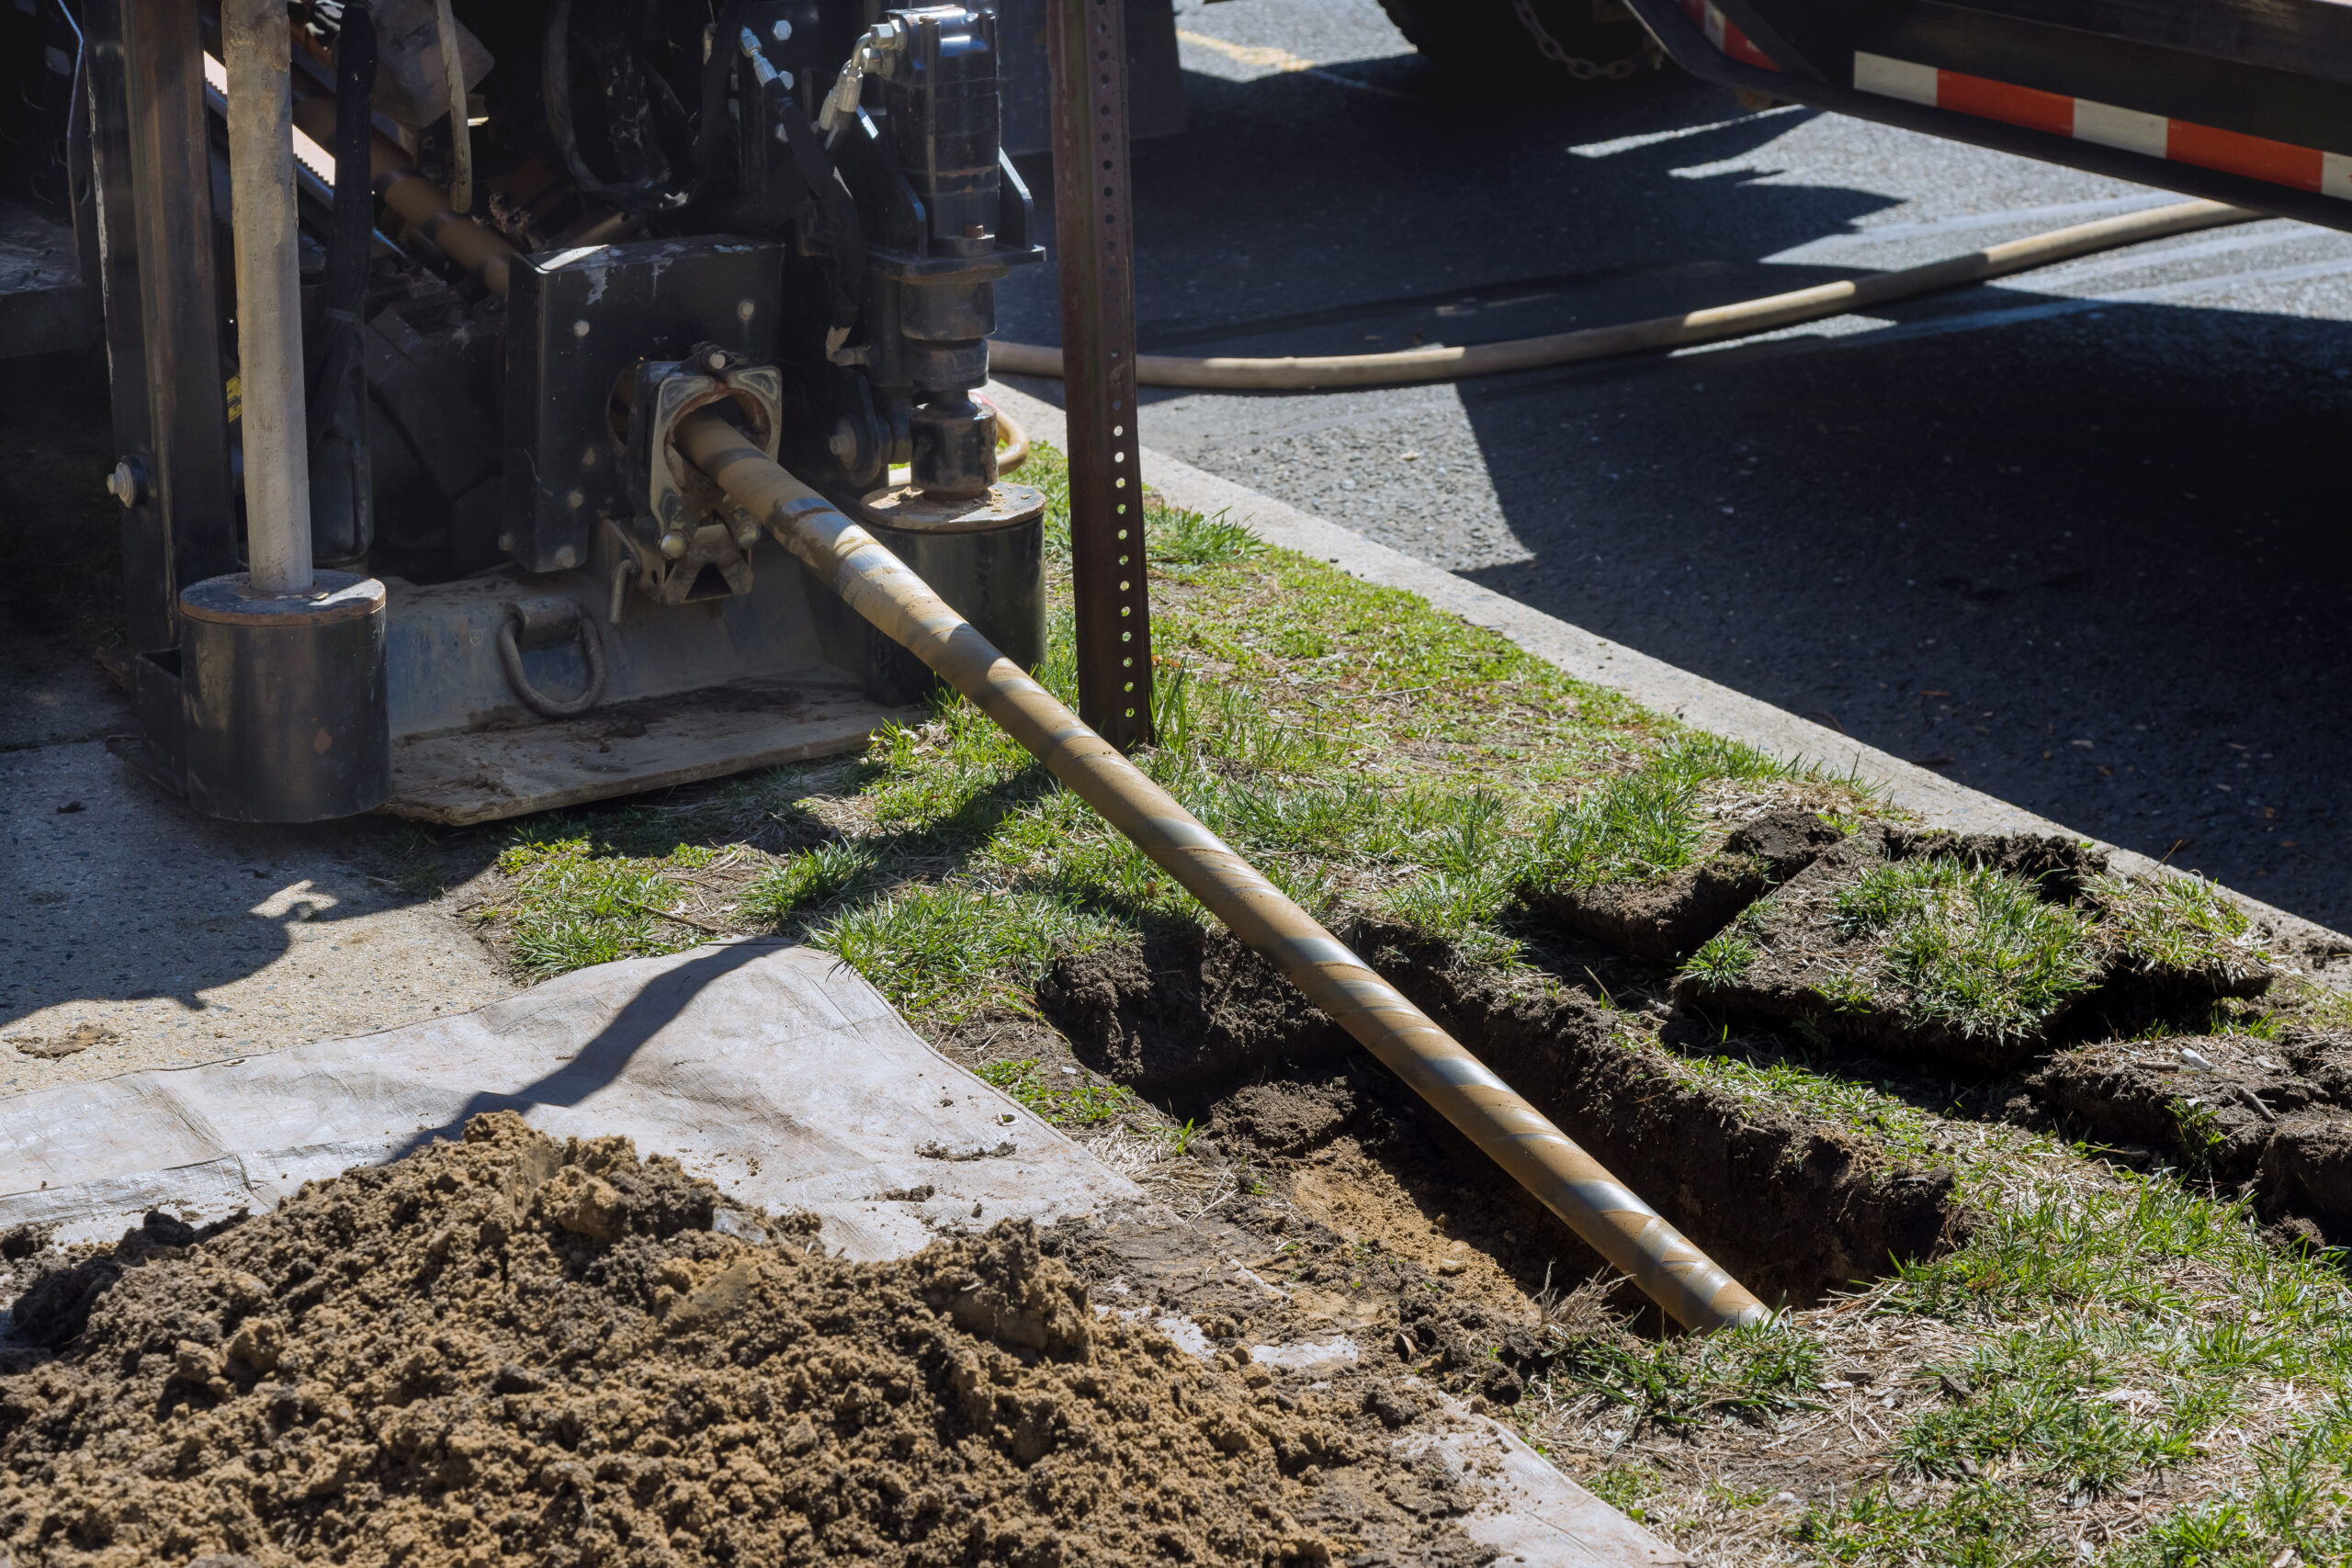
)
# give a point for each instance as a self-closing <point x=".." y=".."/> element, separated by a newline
<point x="550" y="623"/>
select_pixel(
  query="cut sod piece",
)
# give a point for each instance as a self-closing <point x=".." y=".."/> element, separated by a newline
<point x="1976" y="950"/>
<point x="1601" y="882"/>
<point x="2267" y="1116"/>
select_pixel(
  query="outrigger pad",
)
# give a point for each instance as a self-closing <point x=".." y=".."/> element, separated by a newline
<point x="773" y="1069"/>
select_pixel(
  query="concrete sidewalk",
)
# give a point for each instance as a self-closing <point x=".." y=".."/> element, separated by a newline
<point x="165" y="939"/>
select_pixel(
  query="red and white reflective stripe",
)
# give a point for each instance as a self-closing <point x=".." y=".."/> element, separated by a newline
<point x="2180" y="141"/>
<point x="1724" y="34"/>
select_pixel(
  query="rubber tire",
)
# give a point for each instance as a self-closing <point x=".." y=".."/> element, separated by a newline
<point x="1460" y="37"/>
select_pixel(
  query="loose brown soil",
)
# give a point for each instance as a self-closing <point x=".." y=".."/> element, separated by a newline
<point x="510" y="1345"/>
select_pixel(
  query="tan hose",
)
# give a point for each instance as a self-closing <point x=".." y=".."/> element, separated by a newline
<point x="477" y="248"/>
<point x="1520" y="1138"/>
<point x="1712" y="325"/>
<point x="1014" y="448"/>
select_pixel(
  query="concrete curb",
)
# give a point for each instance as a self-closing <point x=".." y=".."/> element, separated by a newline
<point x="1653" y="683"/>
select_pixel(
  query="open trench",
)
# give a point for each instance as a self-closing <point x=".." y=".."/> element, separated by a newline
<point x="1795" y="1206"/>
<point x="1201" y="1026"/>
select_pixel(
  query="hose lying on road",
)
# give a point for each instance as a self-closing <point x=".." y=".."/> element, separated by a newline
<point x="1711" y="325"/>
<point x="1520" y="1138"/>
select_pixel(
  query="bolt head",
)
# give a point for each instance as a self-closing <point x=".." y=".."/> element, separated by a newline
<point x="123" y="483"/>
<point x="714" y="362"/>
<point x="673" y="545"/>
<point x="844" y="443"/>
<point x="747" y="534"/>
<point x="781" y="31"/>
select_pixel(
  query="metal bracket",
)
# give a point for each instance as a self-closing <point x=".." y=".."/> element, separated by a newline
<point x="551" y="622"/>
<point x="688" y="542"/>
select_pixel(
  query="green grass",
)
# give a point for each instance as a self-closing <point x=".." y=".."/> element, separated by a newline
<point x="1080" y="1104"/>
<point x="1971" y="946"/>
<point x="1625" y="1487"/>
<point x="1647" y="821"/>
<point x="2093" y="1300"/>
<point x="1982" y="1525"/>
<point x="2177" y="925"/>
<point x="1372" y="754"/>
<point x="572" y="906"/>
<point x="2112" y="1337"/>
<point x="1637" y="826"/>
<point x="954" y="948"/>
<point x="1723" y="959"/>
<point x="2043" y="1401"/>
<point x="1750" y="1373"/>
<point x="811" y="878"/>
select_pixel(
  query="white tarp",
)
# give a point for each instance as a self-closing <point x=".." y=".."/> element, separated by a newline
<point x="772" y="1070"/>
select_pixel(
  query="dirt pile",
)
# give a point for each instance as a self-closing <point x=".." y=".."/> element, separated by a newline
<point x="510" y="1345"/>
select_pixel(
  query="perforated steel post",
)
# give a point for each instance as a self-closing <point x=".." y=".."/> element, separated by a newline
<point x="1087" y="50"/>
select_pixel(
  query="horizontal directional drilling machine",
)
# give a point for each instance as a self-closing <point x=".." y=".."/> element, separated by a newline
<point x="406" y="521"/>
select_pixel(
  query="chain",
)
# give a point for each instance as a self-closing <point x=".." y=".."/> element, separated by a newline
<point x="1552" y="50"/>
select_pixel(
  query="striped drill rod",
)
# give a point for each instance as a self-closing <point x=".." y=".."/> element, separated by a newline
<point x="1517" y="1137"/>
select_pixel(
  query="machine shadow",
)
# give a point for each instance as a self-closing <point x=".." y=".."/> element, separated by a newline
<point x="602" y="1058"/>
<point x="2060" y="561"/>
<point x="2085" y="559"/>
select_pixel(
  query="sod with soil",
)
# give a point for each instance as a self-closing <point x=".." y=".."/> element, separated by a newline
<point x="2044" y="1163"/>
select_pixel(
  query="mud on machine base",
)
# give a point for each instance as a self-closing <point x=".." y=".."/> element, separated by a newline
<point x="985" y="555"/>
<point x="286" y="717"/>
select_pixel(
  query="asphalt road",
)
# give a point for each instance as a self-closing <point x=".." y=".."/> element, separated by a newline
<point x="2077" y="539"/>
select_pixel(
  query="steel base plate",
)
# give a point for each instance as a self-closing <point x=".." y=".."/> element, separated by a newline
<point x="904" y="506"/>
<point x="484" y="775"/>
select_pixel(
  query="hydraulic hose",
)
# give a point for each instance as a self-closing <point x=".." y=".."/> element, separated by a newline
<point x="1014" y="451"/>
<point x="1542" y="1158"/>
<point x="1714" y="324"/>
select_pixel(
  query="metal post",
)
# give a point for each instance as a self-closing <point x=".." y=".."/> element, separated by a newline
<point x="1087" y="50"/>
<point x="152" y="172"/>
<point x="257" y="47"/>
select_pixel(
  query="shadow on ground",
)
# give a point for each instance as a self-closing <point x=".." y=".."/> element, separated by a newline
<point x="1979" y="551"/>
<point x="2085" y="556"/>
